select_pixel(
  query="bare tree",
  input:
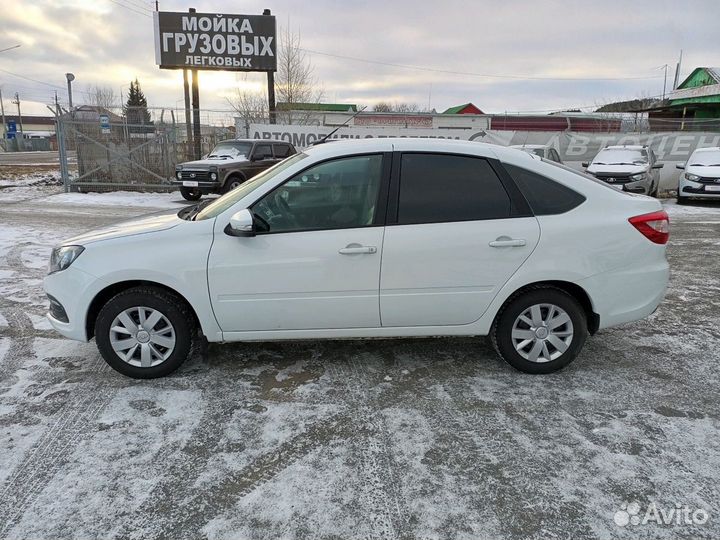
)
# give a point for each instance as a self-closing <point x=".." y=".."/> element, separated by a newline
<point x="102" y="97"/>
<point x="251" y="105"/>
<point x="295" y="81"/>
<point x="401" y="107"/>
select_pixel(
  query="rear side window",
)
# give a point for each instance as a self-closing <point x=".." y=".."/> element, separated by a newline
<point x="281" y="150"/>
<point x="544" y="195"/>
<point x="442" y="188"/>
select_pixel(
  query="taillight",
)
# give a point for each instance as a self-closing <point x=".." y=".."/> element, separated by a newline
<point x="654" y="226"/>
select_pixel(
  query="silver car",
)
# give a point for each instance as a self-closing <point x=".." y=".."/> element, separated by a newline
<point x="631" y="168"/>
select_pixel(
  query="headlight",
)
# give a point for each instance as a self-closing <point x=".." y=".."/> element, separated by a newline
<point x="692" y="177"/>
<point x="63" y="256"/>
<point x="636" y="177"/>
<point x="179" y="175"/>
<point x="213" y="176"/>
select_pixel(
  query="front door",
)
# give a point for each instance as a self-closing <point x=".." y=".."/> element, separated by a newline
<point x="315" y="262"/>
<point x="454" y="244"/>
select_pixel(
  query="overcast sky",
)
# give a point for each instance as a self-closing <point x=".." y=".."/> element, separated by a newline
<point x="110" y="42"/>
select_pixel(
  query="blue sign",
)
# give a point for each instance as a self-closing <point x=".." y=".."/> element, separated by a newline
<point x="104" y="124"/>
<point x="11" y="129"/>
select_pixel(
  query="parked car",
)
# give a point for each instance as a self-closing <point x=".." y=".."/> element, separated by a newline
<point x="542" y="150"/>
<point x="631" y="168"/>
<point x="474" y="239"/>
<point x="229" y="164"/>
<point x="701" y="178"/>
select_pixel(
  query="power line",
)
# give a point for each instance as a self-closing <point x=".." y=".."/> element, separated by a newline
<point x="471" y="74"/>
<point x="131" y="9"/>
<point x="32" y="80"/>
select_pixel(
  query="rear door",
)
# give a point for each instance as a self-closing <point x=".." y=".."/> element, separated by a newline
<point x="457" y="229"/>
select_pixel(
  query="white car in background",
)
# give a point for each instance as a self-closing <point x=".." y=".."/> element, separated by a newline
<point x="701" y="176"/>
<point x="474" y="239"/>
<point x="542" y="150"/>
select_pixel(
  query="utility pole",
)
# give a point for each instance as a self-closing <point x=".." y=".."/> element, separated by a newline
<point x="677" y="72"/>
<point x="271" y="86"/>
<point x="4" y="125"/>
<point x="188" y="120"/>
<point x="21" y="144"/>
<point x="665" y="81"/>
<point x="196" y="109"/>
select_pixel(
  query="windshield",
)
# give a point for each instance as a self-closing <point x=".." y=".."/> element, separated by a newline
<point x="705" y="159"/>
<point x="620" y="156"/>
<point x="221" y="204"/>
<point x="230" y="150"/>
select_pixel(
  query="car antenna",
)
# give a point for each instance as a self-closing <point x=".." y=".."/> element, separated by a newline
<point x="326" y="137"/>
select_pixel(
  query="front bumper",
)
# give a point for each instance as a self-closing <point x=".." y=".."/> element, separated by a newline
<point x="73" y="290"/>
<point x="201" y="184"/>
<point x="686" y="188"/>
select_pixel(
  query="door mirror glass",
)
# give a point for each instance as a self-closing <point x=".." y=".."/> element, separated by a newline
<point x="658" y="165"/>
<point x="680" y="165"/>
<point x="241" y="224"/>
<point x="585" y="164"/>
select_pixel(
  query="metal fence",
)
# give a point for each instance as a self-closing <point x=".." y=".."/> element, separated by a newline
<point x="116" y="154"/>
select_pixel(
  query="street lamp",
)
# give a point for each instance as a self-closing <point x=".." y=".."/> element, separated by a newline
<point x="70" y="78"/>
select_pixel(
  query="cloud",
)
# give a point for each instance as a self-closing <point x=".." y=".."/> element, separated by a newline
<point x="104" y="43"/>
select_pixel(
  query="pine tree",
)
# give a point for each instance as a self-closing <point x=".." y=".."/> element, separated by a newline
<point x="136" y="109"/>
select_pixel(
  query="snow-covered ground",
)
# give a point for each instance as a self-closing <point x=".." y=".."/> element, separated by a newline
<point x="428" y="438"/>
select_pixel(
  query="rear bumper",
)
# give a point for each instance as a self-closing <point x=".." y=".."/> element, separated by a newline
<point x="627" y="294"/>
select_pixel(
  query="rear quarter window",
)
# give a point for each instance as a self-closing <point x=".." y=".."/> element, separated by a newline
<point x="545" y="196"/>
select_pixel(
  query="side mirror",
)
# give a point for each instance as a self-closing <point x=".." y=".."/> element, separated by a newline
<point x="658" y="166"/>
<point x="680" y="166"/>
<point x="241" y="224"/>
<point x="205" y="156"/>
<point x="585" y="164"/>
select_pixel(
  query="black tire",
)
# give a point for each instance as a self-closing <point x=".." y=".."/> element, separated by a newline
<point x="655" y="190"/>
<point x="173" y="308"/>
<point x="681" y="200"/>
<point x="501" y="332"/>
<point x="232" y="182"/>
<point x="191" y="194"/>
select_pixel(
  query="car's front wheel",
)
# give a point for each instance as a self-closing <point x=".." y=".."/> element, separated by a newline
<point x="144" y="332"/>
<point x="191" y="194"/>
<point x="540" y="330"/>
<point x="232" y="183"/>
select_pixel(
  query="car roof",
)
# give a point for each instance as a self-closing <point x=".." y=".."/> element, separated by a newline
<point x="531" y="146"/>
<point x="626" y="147"/>
<point x="404" y="144"/>
<point x="254" y="141"/>
<point x="709" y="149"/>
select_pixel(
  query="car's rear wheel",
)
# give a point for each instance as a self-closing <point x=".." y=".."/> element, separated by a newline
<point x="191" y="194"/>
<point x="144" y="332"/>
<point x="233" y="182"/>
<point x="681" y="199"/>
<point x="540" y="330"/>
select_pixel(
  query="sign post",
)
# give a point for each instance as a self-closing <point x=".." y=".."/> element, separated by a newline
<point x="208" y="41"/>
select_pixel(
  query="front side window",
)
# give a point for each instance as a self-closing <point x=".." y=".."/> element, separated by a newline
<point x="337" y="194"/>
<point x="443" y="188"/>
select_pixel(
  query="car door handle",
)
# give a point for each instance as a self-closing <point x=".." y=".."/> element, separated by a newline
<point x="504" y="241"/>
<point x="352" y="249"/>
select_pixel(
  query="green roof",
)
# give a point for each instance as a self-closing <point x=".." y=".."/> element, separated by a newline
<point x="327" y="107"/>
<point x="456" y="109"/>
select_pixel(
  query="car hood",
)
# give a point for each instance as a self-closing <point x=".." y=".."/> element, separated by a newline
<point x="204" y="164"/>
<point x="616" y="169"/>
<point x="708" y="172"/>
<point x="146" y="224"/>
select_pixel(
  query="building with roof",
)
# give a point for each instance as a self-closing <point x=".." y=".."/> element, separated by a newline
<point x="465" y="108"/>
<point x="693" y="106"/>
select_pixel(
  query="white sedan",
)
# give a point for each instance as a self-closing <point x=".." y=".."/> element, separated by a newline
<point x="701" y="175"/>
<point x="371" y="238"/>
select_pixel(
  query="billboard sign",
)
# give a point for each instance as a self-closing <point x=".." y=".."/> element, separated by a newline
<point x="215" y="42"/>
<point x="104" y="124"/>
<point x="11" y="129"/>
